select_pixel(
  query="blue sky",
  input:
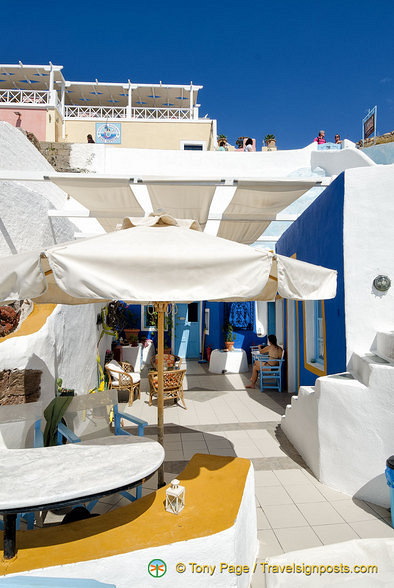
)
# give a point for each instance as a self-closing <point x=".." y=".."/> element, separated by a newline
<point x="284" y="67"/>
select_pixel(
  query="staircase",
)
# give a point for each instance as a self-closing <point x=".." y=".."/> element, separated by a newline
<point x="343" y="426"/>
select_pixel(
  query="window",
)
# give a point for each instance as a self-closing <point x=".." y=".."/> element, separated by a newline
<point x="319" y="338"/>
<point x="149" y="318"/>
<point x="261" y="311"/>
<point x="207" y="317"/>
<point x="314" y="335"/>
<point x="193" y="145"/>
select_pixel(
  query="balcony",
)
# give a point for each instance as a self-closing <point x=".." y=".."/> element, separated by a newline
<point x="120" y="112"/>
<point x="21" y="97"/>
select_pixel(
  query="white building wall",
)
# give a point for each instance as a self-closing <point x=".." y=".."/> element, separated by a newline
<point x="66" y="345"/>
<point x="368" y="243"/>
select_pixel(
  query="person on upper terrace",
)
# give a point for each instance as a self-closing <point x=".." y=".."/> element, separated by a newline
<point x="248" y="145"/>
<point x="274" y="351"/>
<point x="337" y="139"/>
<point x="222" y="146"/>
<point x="320" y="139"/>
<point x="90" y="139"/>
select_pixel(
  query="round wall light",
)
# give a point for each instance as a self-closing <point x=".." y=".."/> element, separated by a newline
<point x="382" y="283"/>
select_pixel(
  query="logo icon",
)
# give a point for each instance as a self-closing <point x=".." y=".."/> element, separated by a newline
<point x="157" y="568"/>
<point x="108" y="133"/>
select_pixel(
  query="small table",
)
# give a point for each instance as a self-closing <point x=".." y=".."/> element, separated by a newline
<point x="47" y="478"/>
<point x="138" y="356"/>
<point x="232" y="362"/>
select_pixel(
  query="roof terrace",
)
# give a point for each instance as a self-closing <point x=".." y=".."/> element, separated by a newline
<point x="44" y="86"/>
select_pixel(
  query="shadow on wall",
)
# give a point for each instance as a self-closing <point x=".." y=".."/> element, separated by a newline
<point x="47" y="378"/>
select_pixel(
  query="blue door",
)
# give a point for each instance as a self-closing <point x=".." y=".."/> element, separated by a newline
<point x="187" y="330"/>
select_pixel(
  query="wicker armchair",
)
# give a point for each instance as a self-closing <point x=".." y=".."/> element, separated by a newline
<point x="122" y="377"/>
<point x="170" y="361"/>
<point x="172" y="385"/>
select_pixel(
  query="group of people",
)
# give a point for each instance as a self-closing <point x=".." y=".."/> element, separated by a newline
<point x="248" y="145"/>
<point x="321" y="138"/>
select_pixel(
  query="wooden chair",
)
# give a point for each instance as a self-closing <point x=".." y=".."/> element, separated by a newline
<point x="121" y="376"/>
<point x="170" y="361"/>
<point x="172" y="385"/>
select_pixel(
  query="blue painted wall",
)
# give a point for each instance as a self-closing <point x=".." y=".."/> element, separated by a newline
<point x="243" y="340"/>
<point x="317" y="237"/>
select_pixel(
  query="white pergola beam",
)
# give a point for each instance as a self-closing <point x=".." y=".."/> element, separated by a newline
<point x="212" y="217"/>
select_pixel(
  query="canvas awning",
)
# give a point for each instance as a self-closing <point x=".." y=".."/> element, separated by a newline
<point x="254" y="203"/>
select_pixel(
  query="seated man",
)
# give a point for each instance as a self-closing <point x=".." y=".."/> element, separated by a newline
<point x="274" y="352"/>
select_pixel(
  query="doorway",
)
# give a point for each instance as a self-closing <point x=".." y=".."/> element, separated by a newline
<point x="187" y="330"/>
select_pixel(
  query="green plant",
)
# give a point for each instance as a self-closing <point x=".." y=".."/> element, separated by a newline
<point x="59" y="384"/>
<point x="60" y="391"/>
<point x="229" y="334"/>
<point x="222" y="137"/>
<point x="133" y="339"/>
<point x="269" y="138"/>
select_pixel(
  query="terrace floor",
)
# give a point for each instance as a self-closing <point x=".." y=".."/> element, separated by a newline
<point x="294" y="510"/>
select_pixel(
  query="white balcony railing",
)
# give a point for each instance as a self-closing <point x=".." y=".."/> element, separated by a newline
<point x="162" y="113"/>
<point x="103" y="112"/>
<point x="24" y="97"/>
<point x="115" y="112"/>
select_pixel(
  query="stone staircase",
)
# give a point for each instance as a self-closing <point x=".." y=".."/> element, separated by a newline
<point x="343" y="426"/>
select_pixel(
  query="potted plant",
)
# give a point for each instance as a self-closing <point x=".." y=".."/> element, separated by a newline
<point x="133" y="339"/>
<point x="60" y="391"/>
<point x="221" y="139"/>
<point x="270" y="140"/>
<point x="229" y="336"/>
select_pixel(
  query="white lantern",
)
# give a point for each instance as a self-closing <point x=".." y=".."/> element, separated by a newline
<point x="175" y="497"/>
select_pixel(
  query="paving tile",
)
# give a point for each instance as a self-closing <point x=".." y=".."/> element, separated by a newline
<point x="352" y="511"/>
<point x="271" y="495"/>
<point x="265" y="478"/>
<point x="294" y="538"/>
<point x="330" y="494"/>
<point x="383" y="512"/>
<point x="377" y="528"/>
<point x="258" y="578"/>
<point x="223" y="451"/>
<point x="248" y="452"/>
<point x="262" y="521"/>
<point x="192" y="436"/>
<point x="291" y="477"/>
<point x="269" y="544"/>
<point x="284" y="516"/>
<point x="335" y="533"/>
<point x="301" y="493"/>
<point x="174" y="455"/>
<point x="320" y="513"/>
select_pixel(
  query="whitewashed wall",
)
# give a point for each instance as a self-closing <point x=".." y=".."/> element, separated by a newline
<point x="66" y="345"/>
<point x="236" y="545"/>
<point x="368" y="242"/>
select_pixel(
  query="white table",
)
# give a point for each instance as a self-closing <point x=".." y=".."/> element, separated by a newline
<point x="139" y="356"/>
<point x="232" y="362"/>
<point x="52" y="477"/>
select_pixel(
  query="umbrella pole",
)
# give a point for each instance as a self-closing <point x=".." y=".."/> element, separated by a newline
<point x="161" y="308"/>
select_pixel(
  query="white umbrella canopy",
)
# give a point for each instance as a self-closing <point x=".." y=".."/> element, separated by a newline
<point x="160" y="260"/>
